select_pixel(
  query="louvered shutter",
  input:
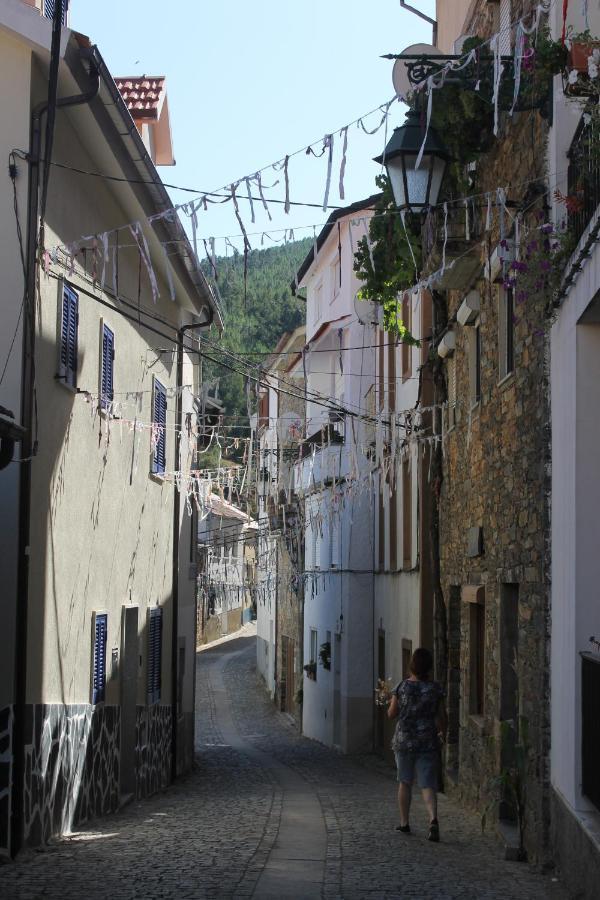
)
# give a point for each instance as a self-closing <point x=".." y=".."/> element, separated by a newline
<point x="68" y="336"/>
<point x="160" y="420"/>
<point x="99" y="661"/>
<point x="50" y="6"/>
<point x="154" y="670"/>
<point x="108" y="355"/>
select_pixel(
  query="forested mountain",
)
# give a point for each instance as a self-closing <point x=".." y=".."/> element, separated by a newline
<point x="255" y="322"/>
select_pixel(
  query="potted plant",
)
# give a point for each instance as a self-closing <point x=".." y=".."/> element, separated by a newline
<point x="325" y="655"/>
<point x="311" y="670"/>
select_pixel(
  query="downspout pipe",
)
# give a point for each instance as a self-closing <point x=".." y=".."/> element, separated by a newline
<point x="176" y="534"/>
<point x="29" y="449"/>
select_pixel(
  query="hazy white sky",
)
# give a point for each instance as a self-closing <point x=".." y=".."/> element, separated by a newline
<point x="251" y="82"/>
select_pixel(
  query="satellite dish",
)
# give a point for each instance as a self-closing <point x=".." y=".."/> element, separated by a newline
<point x="367" y="311"/>
<point x="400" y="78"/>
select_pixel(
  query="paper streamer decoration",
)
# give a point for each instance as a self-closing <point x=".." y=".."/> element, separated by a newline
<point x="343" y="132"/>
<point x="328" y="145"/>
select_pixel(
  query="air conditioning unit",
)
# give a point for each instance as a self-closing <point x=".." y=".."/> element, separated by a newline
<point x="447" y="345"/>
<point x="500" y="256"/>
<point x="469" y="309"/>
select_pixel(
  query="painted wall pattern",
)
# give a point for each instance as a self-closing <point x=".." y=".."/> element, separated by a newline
<point x="71" y="767"/>
<point x="153" y="749"/>
<point x="6" y="733"/>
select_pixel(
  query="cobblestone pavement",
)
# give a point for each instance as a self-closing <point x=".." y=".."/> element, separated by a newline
<point x="266" y="813"/>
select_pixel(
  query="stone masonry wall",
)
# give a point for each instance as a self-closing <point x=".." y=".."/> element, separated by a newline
<point x="495" y="477"/>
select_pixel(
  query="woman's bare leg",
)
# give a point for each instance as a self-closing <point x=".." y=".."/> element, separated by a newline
<point x="404" y="798"/>
<point x="430" y="799"/>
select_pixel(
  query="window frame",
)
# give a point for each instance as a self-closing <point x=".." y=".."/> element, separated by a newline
<point x="68" y="342"/>
<point x="313" y="633"/>
<point x="158" y="388"/>
<point x="336" y="276"/>
<point x="105" y="331"/>
<point x="474" y="364"/>
<point x="97" y="691"/>
<point x="154" y="655"/>
<point x="477" y="658"/>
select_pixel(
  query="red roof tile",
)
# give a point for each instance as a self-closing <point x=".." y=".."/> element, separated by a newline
<point x="143" y="94"/>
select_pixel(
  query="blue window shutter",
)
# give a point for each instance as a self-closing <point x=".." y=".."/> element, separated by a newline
<point x="154" y="670"/>
<point x="99" y="663"/>
<point x="107" y="364"/>
<point x="68" y="336"/>
<point x="160" y="419"/>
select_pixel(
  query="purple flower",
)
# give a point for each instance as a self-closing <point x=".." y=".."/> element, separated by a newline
<point x="548" y="228"/>
<point x="545" y="265"/>
<point x="532" y="245"/>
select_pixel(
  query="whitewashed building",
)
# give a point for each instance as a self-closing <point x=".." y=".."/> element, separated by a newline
<point x="335" y="484"/>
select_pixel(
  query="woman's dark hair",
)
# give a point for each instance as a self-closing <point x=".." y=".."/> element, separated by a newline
<point x="421" y="663"/>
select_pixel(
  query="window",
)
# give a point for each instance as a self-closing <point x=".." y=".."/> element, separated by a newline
<point x="336" y="276"/>
<point x="153" y="672"/>
<point x="106" y="367"/>
<point x="314" y="640"/>
<point x="335" y="537"/>
<point x="50" y="6"/>
<point x="68" y="336"/>
<point x="451" y="374"/>
<point x="392" y="374"/>
<point x="381" y="530"/>
<point x="474" y="338"/>
<point x="406" y="657"/>
<point x="476" y="655"/>
<point x="406" y="515"/>
<point x="406" y="347"/>
<point x="317" y="544"/>
<point x="318" y="302"/>
<point x="393" y="525"/>
<point x="506" y="333"/>
<point x="99" y="658"/>
<point x="159" y="421"/>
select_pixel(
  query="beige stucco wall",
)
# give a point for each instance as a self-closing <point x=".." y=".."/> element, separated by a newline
<point x="101" y="523"/>
<point x="451" y="16"/>
<point x="15" y="68"/>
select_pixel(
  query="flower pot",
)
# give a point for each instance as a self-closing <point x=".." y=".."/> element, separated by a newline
<point x="579" y="54"/>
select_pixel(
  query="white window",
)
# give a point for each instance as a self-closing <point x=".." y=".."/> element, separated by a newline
<point x="506" y="333"/>
<point x="335" y="278"/>
<point x="318" y="307"/>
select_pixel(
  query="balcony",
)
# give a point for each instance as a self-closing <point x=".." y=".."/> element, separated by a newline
<point x="583" y="177"/>
<point x="462" y="239"/>
<point x="590" y="727"/>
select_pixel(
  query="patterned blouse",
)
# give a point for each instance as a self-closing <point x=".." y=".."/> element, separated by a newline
<point x="418" y="703"/>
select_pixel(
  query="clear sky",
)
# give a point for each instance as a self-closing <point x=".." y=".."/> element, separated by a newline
<point x="249" y="83"/>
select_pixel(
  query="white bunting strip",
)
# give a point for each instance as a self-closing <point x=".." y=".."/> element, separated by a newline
<point x="343" y="132"/>
<point x="327" y="145"/>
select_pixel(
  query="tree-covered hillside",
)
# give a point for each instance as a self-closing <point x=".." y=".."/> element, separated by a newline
<point x="255" y="323"/>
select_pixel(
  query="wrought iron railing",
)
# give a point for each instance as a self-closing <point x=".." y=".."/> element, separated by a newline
<point x="590" y="726"/>
<point x="583" y="177"/>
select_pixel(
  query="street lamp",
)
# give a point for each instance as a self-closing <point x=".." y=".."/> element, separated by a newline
<point x="415" y="189"/>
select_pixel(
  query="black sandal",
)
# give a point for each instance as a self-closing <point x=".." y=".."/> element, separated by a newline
<point x="434" y="831"/>
<point x="405" y="829"/>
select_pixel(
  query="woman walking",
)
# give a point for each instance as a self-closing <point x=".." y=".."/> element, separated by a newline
<point x="418" y="702"/>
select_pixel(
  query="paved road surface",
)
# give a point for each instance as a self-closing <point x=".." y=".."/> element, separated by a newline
<point x="269" y="814"/>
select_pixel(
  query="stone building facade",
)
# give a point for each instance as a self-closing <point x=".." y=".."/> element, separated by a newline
<point x="493" y="481"/>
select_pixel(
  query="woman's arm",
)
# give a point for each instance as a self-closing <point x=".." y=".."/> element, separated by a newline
<point x="393" y="707"/>
<point x="441" y="720"/>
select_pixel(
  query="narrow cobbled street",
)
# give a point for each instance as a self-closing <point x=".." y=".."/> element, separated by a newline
<point x="267" y="813"/>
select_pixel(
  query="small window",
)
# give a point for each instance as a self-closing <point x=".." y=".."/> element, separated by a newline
<point x="154" y="670"/>
<point x="506" y="333"/>
<point x="107" y="367"/>
<point x="68" y="336"/>
<point x="474" y="338"/>
<point x="318" y="302"/>
<point x="406" y="347"/>
<point x="159" y="422"/>
<point x="99" y="658"/>
<point x="314" y="641"/>
<point x="406" y="514"/>
<point x="336" y="277"/>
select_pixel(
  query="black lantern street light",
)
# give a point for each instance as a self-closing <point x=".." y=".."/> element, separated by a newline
<point x="414" y="188"/>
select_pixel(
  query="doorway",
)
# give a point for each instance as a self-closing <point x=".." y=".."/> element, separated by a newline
<point x="128" y="698"/>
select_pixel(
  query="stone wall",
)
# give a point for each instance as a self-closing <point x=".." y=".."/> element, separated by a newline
<point x="71" y="767"/>
<point x="289" y="624"/>
<point x="495" y="480"/>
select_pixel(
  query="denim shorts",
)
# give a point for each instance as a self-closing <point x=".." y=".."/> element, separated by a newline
<point x="424" y="765"/>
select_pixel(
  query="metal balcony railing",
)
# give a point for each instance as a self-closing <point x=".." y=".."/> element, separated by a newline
<point x="590" y="726"/>
<point x="583" y="177"/>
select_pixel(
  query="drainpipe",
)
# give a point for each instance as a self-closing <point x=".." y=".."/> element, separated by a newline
<point x="29" y="450"/>
<point x="176" y="513"/>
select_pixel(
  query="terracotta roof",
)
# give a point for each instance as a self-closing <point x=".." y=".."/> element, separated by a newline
<point x="143" y="94"/>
